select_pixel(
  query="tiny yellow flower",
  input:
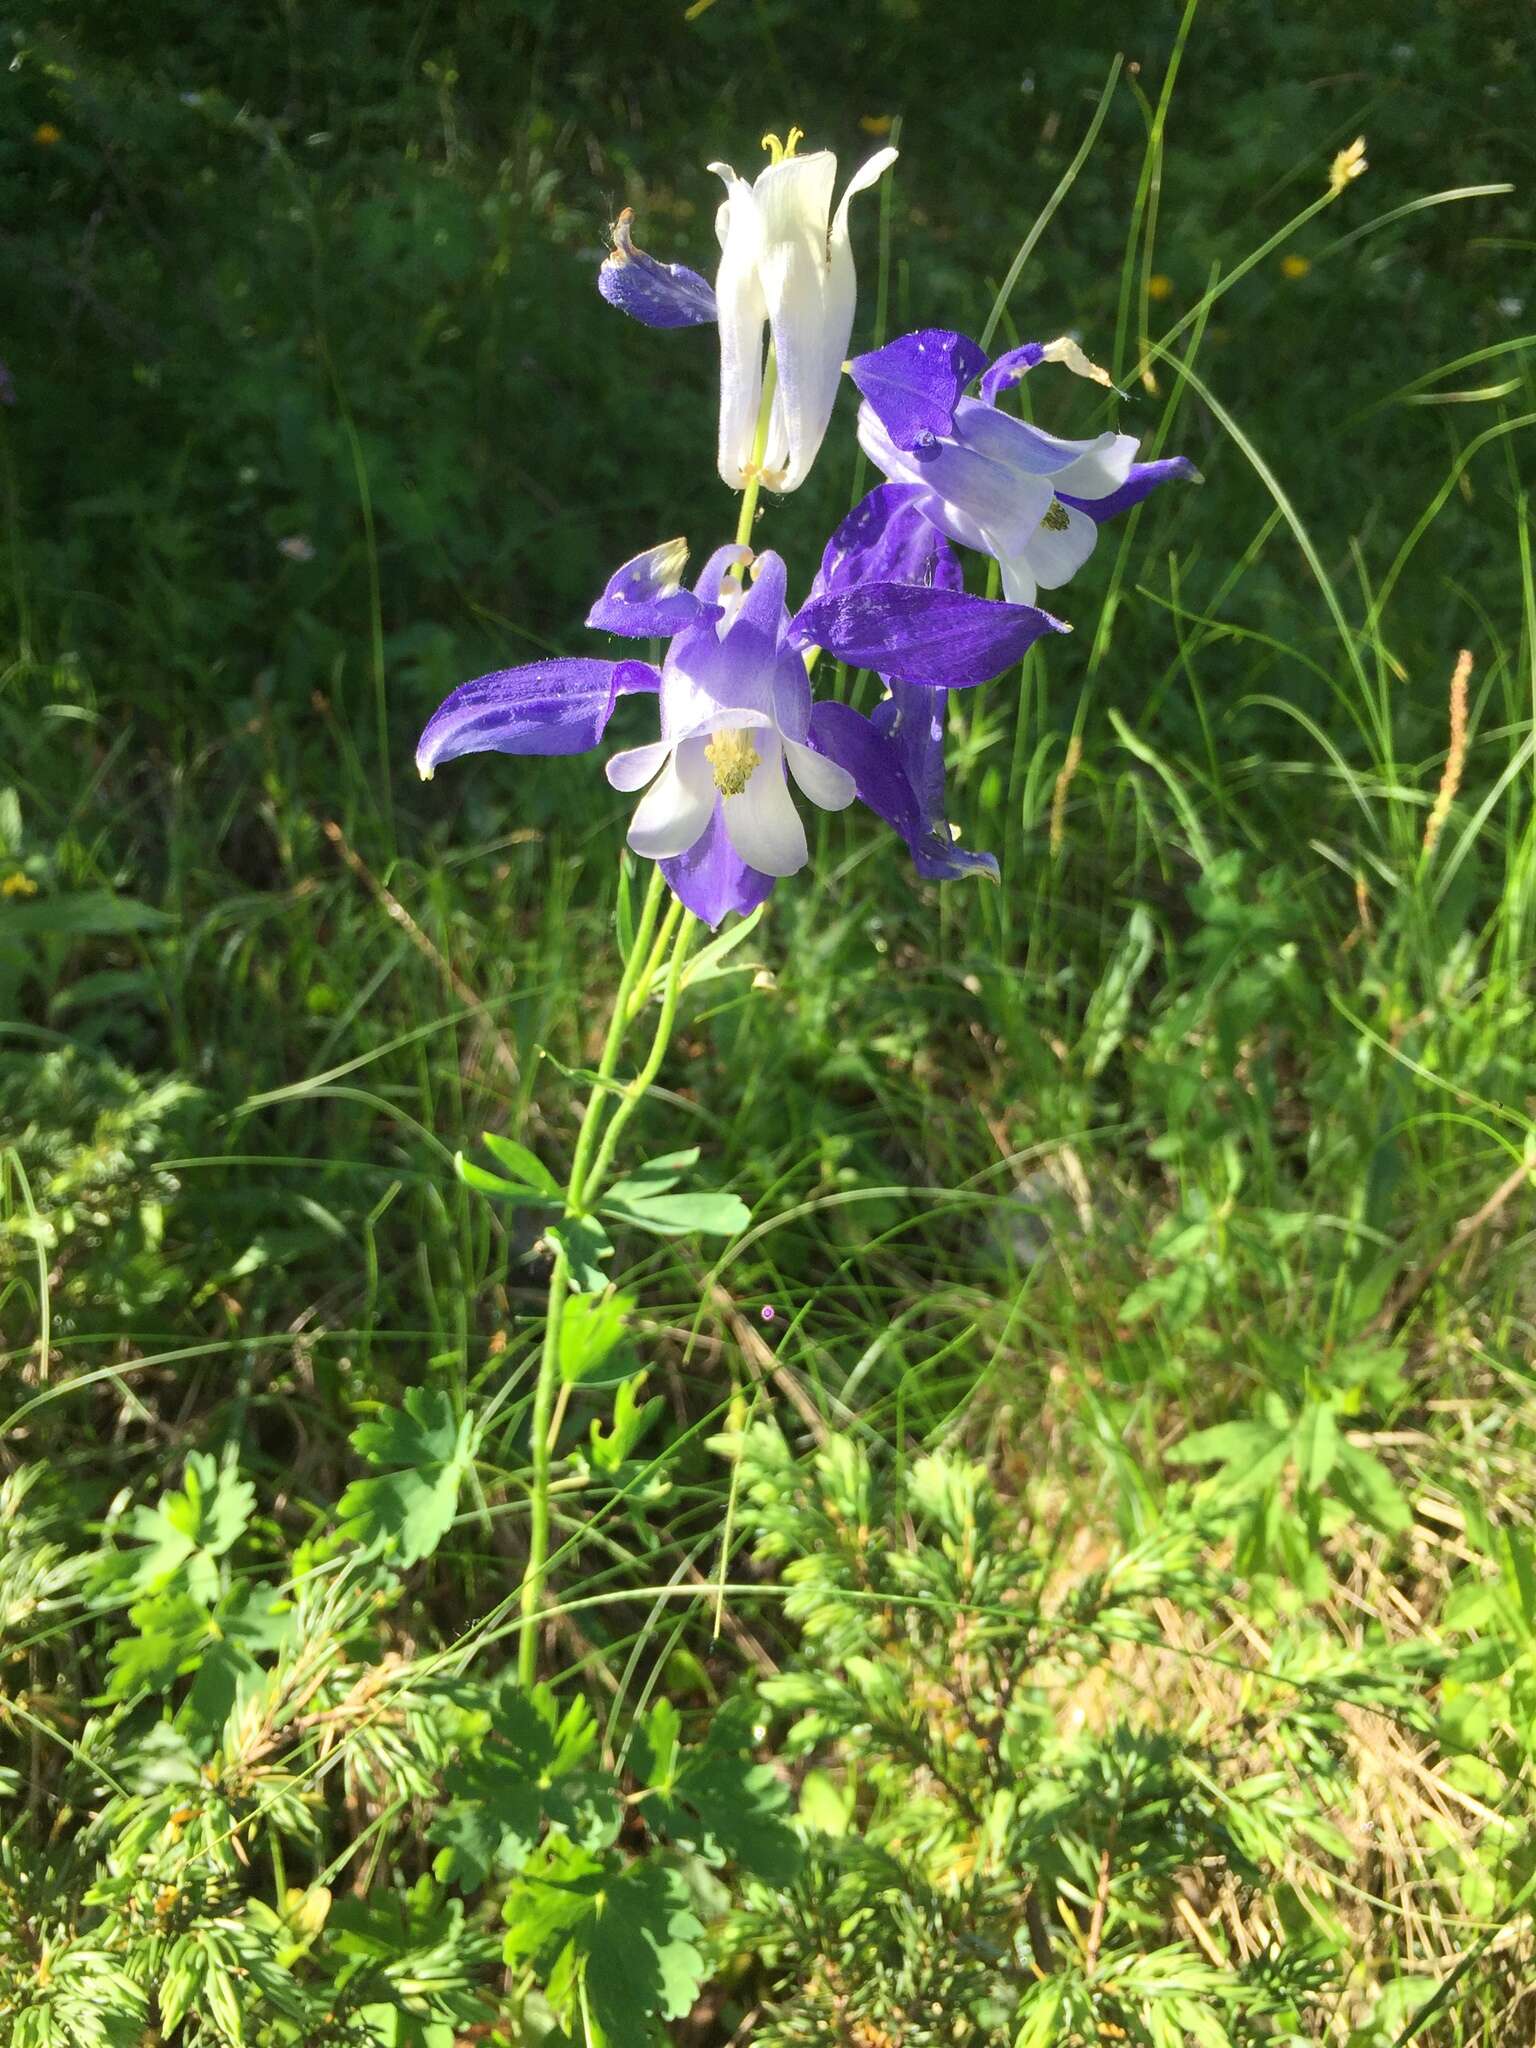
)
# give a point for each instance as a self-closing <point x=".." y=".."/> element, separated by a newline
<point x="875" y="124"/>
<point x="45" y="135"/>
<point x="1159" y="286"/>
<point x="1348" y="165"/>
<point x="18" y="884"/>
<point x="1294" y="267"/>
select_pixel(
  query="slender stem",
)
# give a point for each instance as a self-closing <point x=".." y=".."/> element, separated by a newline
<point x="538" y="1518"/>
<point x="630" y="1100"/>
<point x="639" y="971"/>
<point x="759" y="452"/>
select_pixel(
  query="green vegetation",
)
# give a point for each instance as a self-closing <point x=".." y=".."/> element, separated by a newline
<point x="1099" y="1603"/>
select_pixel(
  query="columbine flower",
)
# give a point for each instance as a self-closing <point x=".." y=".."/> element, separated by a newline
<point x="739" y="731"/>
<point x="985" y="478"/>
<point x="786" y="264"/>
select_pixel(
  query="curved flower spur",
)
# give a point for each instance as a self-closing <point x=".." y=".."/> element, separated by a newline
<point x="738" y="725"/>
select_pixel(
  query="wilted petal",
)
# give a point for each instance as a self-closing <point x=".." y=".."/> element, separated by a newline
<point x="1142" y="479"/>
<point x="914" y="383"/>
<point x="549" y="707"/>
<point x="659" y="294"/>
<point x="711" y="878"/>
<point x="645" y="600"/>
<point x="887" y="538"/>
<point x="941" y="637"/>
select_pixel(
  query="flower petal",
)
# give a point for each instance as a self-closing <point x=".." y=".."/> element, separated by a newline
<point x="877" y="762"/>
<point x="1142" y="479"/>
<point x="887" y="538"/>
<point x="762" y="823"/>
<point x="914" y="383"/>
<point x="659" y="294"/>
<point x="634" y="768"/>
<point x="1056" y="553"/>
<point x="549" y="707"/>
<point x="945" y="638"/>
<point x="810" y="290"/>
<point x="741" y="310"/>
<point x="1013" y="364"/>
<point x="675" y="809"/>
<point x="829" y="786"/>
<point x="711" y="878"/>
<point x="645" y="600"/>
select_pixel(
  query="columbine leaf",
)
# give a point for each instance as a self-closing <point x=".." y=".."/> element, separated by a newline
<point x="592" y="1331"/>
<point x="524" y="1166"/>
<point x="185" y="1532"/>
<point x="526" y="1769"/>
<point x="492" y="1184"/>
<point x="626" y="1936"/>
<point x="586" y="1245"/>
<point x="407" y="1511"/>
<point x="630" y="1422"/>
<point x="713" y="1215"/>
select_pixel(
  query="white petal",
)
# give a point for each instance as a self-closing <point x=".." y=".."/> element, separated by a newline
<point x="1018" y="582"/>
<point x="762" y="823"/>
<point x="808" y="284"/>
<point x="1054" y="556"/>
<point x="829" y="787"/>
<point x="634" y="768"/>
<point x="674" y="811"/>
<point x="1102" y="467"/>
<point x="742" y="312"/>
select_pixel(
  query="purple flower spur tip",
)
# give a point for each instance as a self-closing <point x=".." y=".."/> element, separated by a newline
<point x="657" y="294"/>
<point x="1143" y="479"/>
<point x="645" y="599"/>
<point x="914" y="383"/>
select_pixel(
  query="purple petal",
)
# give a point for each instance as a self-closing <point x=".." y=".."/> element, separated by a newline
<point x="915" y="382"/>
<point x="945" y="638"/>
<point x="881" y="760"/>
<point x="1143" y="479"/>
<point x="1010" y="367"/>
<point x="550" y="707"/>
<point x="659" y="294"/>
<point x="645" y="600"/>
<point x="711" y="878"/>
<point x="886" y="539"/>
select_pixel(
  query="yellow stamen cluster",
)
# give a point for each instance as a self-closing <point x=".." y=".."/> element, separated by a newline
<point x="778" y="151"/>
<point x="732" y="758"/>
<point x="1056" y="519"/>
<point x="1348" y="165"/>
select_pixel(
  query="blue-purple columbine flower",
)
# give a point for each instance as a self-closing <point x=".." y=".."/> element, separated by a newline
<point x="739" y="731"/>
<point x="985" y="478"/>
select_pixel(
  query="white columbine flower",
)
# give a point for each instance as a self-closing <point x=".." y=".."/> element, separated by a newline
<point x="782" y="264"/>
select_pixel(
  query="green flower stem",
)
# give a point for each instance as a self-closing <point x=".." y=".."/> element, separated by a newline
<point x="635" y="982"/>
<point x="759" y="451"/>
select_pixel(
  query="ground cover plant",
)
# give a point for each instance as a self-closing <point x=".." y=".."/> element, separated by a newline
<point x="1017" y="1528"/>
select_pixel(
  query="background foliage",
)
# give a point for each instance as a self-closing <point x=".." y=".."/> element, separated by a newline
<point x="1100" y="1603"/>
